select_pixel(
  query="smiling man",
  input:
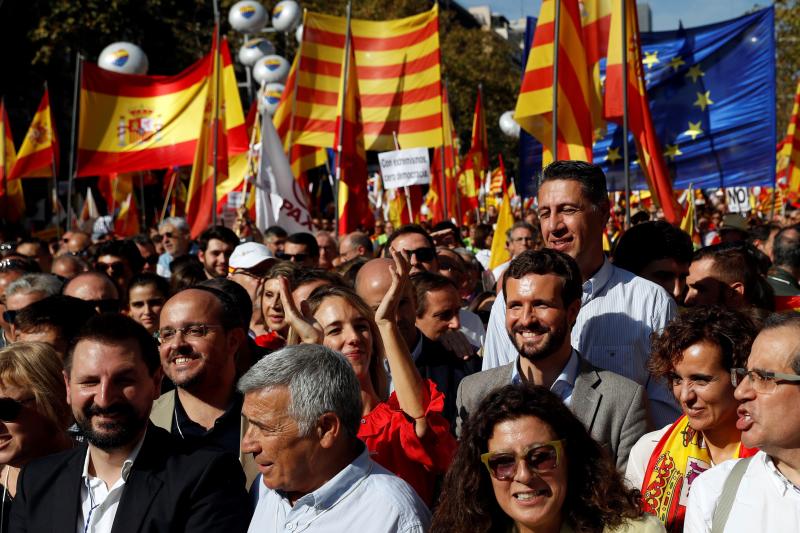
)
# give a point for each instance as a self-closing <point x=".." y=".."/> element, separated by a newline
<point x="131" y="475"/>
<point x="761" y="492"/>
<point x="544" y="297"/>
<point x="619" y="310"/>
<point x="303" y="405"/>
<point x="216" y="244"/>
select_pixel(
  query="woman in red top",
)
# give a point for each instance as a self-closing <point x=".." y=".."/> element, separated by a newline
<point x="271" y="307"/>
<point x="405" y="432"/>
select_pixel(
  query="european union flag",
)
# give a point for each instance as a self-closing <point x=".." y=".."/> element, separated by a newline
<point x="712" y="98"/>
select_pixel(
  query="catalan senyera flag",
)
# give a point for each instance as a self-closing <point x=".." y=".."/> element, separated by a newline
<point x="505" y="219"/>
<point x="651" y="158"/>
<point x="596" y="25"/>
<point x="435" y="199"/>
<point x="38" y="154"/>
<point x="351" y="165"/>
<point x="202" y="192"/>
<point x="534" y="110"/>
<point x="399" y="80"/>
<point x="130" y="122"/>
<point x="476" y="162"/>
<point x="12" y="200"/>
<point x="788" y="164"/>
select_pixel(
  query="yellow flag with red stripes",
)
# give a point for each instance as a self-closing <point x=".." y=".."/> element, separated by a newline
<point x="12" y="201"/>
<point x="38" y="154"/>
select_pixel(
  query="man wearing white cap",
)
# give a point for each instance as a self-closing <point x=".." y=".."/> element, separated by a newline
<point x="249" y="263"/>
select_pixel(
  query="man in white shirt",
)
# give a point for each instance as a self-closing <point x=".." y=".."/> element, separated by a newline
<point x="303" y="405"/>
<point x="766" y="495"/>
<point x="519" y="238"/>
<point x="619" y="310"/>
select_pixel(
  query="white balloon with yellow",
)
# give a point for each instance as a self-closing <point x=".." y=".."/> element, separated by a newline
<point x="286" y="15"/>
<point x="123" y="57"/>
<point x="269" y="97"/>
<point x="247" y="16"/>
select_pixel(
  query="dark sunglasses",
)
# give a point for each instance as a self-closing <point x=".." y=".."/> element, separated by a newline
<point x="297" y="258"/>
<point x="9" y="316"/>
<point x="11" y="408"/>
<point x="151" y="259"/>
<point x="169" y="235"/>
<point x="113" y="269"/>
<point x="539" y="458"/>
<point x="426" y="255"/>
<point x="108" y="305"/>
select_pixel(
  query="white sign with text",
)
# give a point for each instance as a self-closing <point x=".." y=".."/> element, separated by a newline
<point x="402" y="168"/>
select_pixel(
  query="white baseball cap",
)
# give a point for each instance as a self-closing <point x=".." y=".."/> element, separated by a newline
<point x="249" y="255"/>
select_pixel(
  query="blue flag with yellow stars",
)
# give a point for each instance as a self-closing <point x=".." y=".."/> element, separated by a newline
<point x="712" y="98"/>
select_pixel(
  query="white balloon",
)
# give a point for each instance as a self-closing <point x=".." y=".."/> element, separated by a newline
<point x="285" y="15"/>
<point x="269" y="97"/>
<point x="298" y="34"/>
<point x="271" y="69"/>
<point x="247" y="16"/>
<point x="123" y="57"/>
<point x="508" y="125"/>
<point x="254" y="49"/>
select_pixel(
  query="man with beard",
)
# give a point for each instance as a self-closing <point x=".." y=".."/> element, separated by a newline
<point x="543" y="289"/>
<point x="131" y="475"/>
<point x="201" y="330"/>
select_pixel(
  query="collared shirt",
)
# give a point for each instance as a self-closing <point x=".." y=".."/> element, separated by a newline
<point x="362" y="497"/>
<point x="224" y="435"/>
<point x="99" y="503"/>
<point x="619" y="311"/>
<point x="765" y="501"/>
<point x="564" y="383"/>
<point x="163" y="266"/>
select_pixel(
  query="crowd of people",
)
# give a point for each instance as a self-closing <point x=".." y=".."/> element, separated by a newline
<point x="601" y="380"/>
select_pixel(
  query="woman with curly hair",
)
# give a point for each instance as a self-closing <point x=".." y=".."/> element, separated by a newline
<point x="695" y="354"/>
<point x="526" y="464"/>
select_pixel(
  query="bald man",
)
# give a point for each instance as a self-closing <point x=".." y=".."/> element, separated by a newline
<point x="94" y="287"/>
<point x="433" y="359"/>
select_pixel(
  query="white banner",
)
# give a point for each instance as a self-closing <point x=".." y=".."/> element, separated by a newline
<point x="738" y="199"/>
<point x="402" y="168"/>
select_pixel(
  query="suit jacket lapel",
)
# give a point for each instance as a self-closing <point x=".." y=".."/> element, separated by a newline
<point x="585" y="398"/>
<point x="142" y="486"/>
<point x="68" y="487"/>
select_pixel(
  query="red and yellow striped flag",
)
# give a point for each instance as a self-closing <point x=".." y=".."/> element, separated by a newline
<point x="596" y="25"/>
<point x="435" y="198"/>
<point x="788" y="164"/>
<point x="351" y="165"/>
<point x="38" y="154"/>
<point x="130" y="122"/>
<point x="476" y="162"/>
<point x="648" y="147"/>
<point x="399" y="80"/>
<point x="534" y="110"/>
<point x="12" y="200"/>
<point x="505" y="219"/>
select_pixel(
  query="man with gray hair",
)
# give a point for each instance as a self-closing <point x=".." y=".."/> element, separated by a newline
<point x="356" y="244"/>
<point x="303" y="405"/>
<point x="26" y="290"/>
<point x="174" y="232"/>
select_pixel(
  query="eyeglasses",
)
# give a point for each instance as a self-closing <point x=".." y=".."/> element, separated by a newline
<point x="168" y="235"/>
<point x="296" y="258"/>
<point x="116" y="268"/>
<point x="192" y="330"/>
<point x="108" y="305"/>
<point x="9" y="316"/>
<point x="522" y="239"/>
<point x="539" y="458"/>
<point x="11" y="408"/>
<point x="762" y="381"/>
<point x="425" y="255"/>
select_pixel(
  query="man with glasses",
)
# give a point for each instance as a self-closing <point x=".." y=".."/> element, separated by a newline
<point x="760" y="493"/>
<point x="25" y="291"/>
<point x="174" y="233"/>
<point x="120" y="261"/>
<point x="130" y="475"/>
<point x="200" y="331"/>
<point x="96" y="288"/>
<point x="147" y="249"/>
<point x="301" y="248"/>
<point x="543" y="289"/>
<point x="520" y="237"/>
<point x="11" y="268"/>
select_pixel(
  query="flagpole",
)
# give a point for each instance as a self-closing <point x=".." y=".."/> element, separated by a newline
<point x="72" y="147"/>
<point x="252" y="172"/>
<point x="3" y="154"/>
<point x="625" y="156"/>
<point x="166" y="199"/>
<point x="345" y="70"/>
<point x="405" y="187"/>
<point x="53" y="160"/>
<point x="144" y="206"/>
<point x="217" y="76"/>
<point x="557" y="31"/>
<point x="455" y="175"/>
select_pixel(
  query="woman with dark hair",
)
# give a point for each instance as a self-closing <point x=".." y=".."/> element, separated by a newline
<point x="695" y="353"/>
<point x="147" y="293"/>
<point x="404" y="431"/>
<point x="525" y="464"/>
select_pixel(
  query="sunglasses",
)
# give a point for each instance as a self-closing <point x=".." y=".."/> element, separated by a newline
<point x="9" y="316"/>
<point x="151" y="259"/>
<point x="296" y="258"/>
<point x="11" y="408"/>
<point x="425" y="255"/>
<point x="109" y="305"/>
<point x="113" y="269"/>
<point x="539" y="458"/>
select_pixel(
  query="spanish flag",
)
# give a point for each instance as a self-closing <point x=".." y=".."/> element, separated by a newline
<point x="399" y="80"/>
<point x="788" y="164"/>
<point x="130" y="122"/>
<point x="534" y="110"/>
<point x="38" y="154"/>
<point x="648" y="147"/>
<point x="351" y="161"/>
<point x="446" y="152"/>
<point x="12" y="200"/>
<point x="126" y="223"/>
<point x="505" y="219"/>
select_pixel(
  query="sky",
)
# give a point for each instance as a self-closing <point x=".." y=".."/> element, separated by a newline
<point x="666" y="13"/>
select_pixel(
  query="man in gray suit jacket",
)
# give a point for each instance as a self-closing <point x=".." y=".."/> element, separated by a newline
<point x="543" y="291"/>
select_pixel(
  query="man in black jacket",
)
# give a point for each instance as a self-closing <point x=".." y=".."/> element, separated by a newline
<point x="130" y="476"/>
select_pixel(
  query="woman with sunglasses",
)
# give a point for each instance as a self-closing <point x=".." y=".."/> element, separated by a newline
<point x="147" y="293"/>
<point x="405" y="432"/>
<point x="526" y="464"/>
<point x="34" y="414"/>
<point x="695" y="353"/>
